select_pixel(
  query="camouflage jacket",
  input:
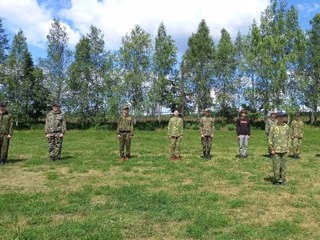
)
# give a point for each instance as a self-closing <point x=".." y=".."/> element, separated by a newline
<point x="125" y="124"/>
<point x="55" y="123"/>
<point x="279" y="138"/>
<point x="6" y="124"/>
<point x="206" y="126"/>
<point x="297" y="129"/>
<point x="269" y="123"/>
<point x="175" y="127"/>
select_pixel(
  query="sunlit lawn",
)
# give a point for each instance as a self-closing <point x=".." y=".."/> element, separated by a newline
<point x="91" y="194"/>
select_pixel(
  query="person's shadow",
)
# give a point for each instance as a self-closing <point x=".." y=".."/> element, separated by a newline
<point x="269" y="179"/>
<point x="67" y="157"/>
<point x="15" y="160"/>
<point x="317" y="155"/>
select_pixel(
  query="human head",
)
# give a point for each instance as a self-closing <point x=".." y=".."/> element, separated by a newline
<point x="3" y="106"/>
<point x="176" y="113"/>
<point x="206" y="112"/>
<point x="56" y="106"/>
<point x="273" y="114"/>
<point x="280" y="117"/>
<point x="125" y="110"/>
<point x="297" y="116"/>
<point x="243" y="113"/>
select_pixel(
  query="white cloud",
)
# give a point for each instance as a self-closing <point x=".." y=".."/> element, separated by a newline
<point x="117" y="17"/>
<point x="308" y="8"/>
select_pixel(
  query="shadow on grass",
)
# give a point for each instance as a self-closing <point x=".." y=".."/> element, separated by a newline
<point x="16" y="160"/>
<point x="67" y="157"/>
<point x="318" y="155"/>
<point x="269" y="179"/>
<point x="266" y="155"/>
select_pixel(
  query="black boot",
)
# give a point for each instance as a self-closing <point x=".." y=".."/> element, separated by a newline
<point x="208" y="155"/>
<point x="204" y="155"/>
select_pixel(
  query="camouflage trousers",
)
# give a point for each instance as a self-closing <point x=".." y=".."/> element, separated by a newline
<point x="175" y="143"/>
<point x="124" y="141"/>
<point x="296" y="145"/>
<point x="4" y="147"/>
<point x="206" y="142"/>
<point x="279" y="161"/>
<point x="55" y="146"/>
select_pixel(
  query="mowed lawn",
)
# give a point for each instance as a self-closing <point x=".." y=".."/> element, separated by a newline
<point x="91" y="194"/>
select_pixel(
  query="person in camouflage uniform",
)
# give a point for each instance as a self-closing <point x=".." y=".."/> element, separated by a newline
<point x="271" y="121"/>
<point x="206" y="131"/>
<point x="175" y="133"/>
<point x="125" y="132"/>
<point x="55" y="129"/>
<point x="279" y="143"/>
<point x="6" y="124"/>
<point x="297" y="127"/>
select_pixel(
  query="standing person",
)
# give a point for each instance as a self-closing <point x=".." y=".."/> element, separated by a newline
<point x="297" y="127"/>
<point x="55" y="129"/>
<point x="279" y="143"/>
<point x="175" y="133"/>
<point x="271" y="121"/>
<point x="6" y="124"/>
<point x="206" y="131"/>
<point x="125" y="132"/>
<point x="243" y="132"/>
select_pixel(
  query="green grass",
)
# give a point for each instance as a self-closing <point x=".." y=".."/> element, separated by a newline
<point x="91" y="194"/>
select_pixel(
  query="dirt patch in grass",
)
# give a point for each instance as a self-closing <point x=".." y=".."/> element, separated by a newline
<point x="58" y="219"/>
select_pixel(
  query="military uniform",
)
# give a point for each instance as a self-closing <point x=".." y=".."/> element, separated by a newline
<point x="297" y="128"/>
<point x="125" y="131"/>
<point x="269" y="123"/>
<point x="175" y="133"/>
<point x="6" y="125"/>
<point x="55" y="125"/>
<point x="279" y="142"/>
<point x="206" y="131"/>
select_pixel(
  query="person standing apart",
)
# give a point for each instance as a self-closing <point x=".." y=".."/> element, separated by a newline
<point x="206" y="131"/>
<point x="55" y="129"/>
<point x="125" y="133"/>
<point x="243" y="132"/>
<point x="297" y="129"/>
<point x="175" y="133"/>
<point x="279" y="143"/>
<point x="6" y="131"/>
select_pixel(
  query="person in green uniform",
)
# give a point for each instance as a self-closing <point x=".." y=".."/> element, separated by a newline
<point x="206" y="132"/>
<point x="279" y="144"/>
<point x="271" y="121"/>
<point x="125" y="133"/>
<point x="6" y="131"/>
<point x="297" y="129"/>
<point x="175" y="133"/>
<point x="55" y="129"/>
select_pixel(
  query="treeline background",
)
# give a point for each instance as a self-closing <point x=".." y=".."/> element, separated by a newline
<point x="276" y="65"/>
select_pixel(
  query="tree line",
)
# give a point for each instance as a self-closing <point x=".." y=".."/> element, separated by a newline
<point x="275" y="65"/>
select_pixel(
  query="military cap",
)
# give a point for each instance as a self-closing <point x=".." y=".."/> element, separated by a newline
<point x="206" y="110"/>
<point x="3" y="104"/>
<point x="280" y="114"/>
<point x="125" y="107"/>
<point x="55" y="104"/>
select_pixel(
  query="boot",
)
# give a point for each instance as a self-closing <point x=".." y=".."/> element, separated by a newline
<point x="208" y="155"/>
<point x="204" y="155"/>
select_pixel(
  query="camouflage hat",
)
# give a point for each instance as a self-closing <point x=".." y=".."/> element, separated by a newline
<point x="206" y="110"/>
<point x="3" y="104"/>
<point x="55" y="104"/>
<point x="280" y="114"/>
<point x="125" y="107"/>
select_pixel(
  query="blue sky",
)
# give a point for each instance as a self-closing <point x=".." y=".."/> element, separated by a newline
<point x="117" y="17"/>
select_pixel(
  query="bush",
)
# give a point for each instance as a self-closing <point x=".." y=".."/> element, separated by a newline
<point x="231" y="127"/>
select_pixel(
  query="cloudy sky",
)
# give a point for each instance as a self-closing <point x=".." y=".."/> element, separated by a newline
<point x="117" y="17"/>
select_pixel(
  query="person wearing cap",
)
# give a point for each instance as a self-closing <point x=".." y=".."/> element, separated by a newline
<point x="297" y="129"/>
<point x="243" y="133"/>
<point x="175" y="133"/>
<point x="125" y="132"/>
<point x="271" y="121"/>
<point x="55" y="129"/>
<point x="206" y="132"/>
<point x="279" y="143"/>
<point x="6" y="131"/>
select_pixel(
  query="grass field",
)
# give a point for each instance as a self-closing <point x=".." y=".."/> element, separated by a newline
<point x="91" y="194"/>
